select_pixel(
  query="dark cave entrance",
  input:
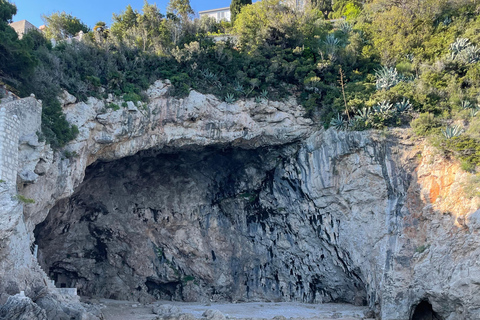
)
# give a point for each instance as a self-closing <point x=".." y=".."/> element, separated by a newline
<point x="424" y="311"/>
<point x="214" y="224"/>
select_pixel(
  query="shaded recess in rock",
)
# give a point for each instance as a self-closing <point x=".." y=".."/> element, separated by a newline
<point x="196" y="226"/>
<point x="424" y="311"/>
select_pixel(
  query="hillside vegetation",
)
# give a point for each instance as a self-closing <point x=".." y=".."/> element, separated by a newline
<point x="388" y="63"/>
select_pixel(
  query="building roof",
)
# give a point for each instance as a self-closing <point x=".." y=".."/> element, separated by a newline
<point x="213" y="10"/>
<point x="22" y="26"/>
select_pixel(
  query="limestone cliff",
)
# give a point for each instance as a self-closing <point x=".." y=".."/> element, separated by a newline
<point x="196" y="199"/>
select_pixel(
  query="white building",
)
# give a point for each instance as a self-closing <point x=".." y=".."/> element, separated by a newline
<point x="22" y="27"/>
<point x="219" y="14"/>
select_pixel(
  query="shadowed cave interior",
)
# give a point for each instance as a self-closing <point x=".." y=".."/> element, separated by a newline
<point x="196" y="225"/>
<point x="424" y="311"/>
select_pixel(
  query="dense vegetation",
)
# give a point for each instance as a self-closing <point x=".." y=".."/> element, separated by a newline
<point x="387" y="63"/>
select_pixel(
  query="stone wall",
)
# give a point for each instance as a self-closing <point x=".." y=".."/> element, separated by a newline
<point x="8" y="146"/>
<point x="18" y="119"/>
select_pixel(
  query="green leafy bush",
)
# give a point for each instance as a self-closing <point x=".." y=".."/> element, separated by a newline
<point x="425" y="124"/>
<point x="23" y="199"/>
<point x="466" y="149"/>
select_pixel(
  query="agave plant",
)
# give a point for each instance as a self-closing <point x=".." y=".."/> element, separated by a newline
<point x="459" y="45"/>
<point x="258" y="99"/>
<point x="338" y="123"/>
<point x="238" y="87"/>
<point x="464" y="51"/>
<point x="355" y="123"/>
<point x="447" y="21"/>
<point x="474" y="112"/>
<point x="386" y="77"/>
<point x="469" y="54"/>
<point x="450" y="132"/>
<point x="383" y="107"/>
<point x="331" y="41"/>
<point x="264" y="94"/>
<point x="403" y="106"/>
<point x="363" y="114"/>
<point x="466" y="104"/>
<point x="346" y="27"/>
<point x="230" y="98"/>
<point x="209" y="76"/>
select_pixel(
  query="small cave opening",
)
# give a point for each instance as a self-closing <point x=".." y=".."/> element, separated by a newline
<point x="190" y="225"/>
<point x="424" y="311"/>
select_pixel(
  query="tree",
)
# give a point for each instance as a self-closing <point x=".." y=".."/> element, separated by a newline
<point x="16" y="59"/>
<point x="100" y="31"/>
<point x="347" y="8"/>
<point x="323" y="5"/>
<point x="149" y="24"/>
<point x="180" y="8"/>
<point x="236" y="7"/>
<point x="7" y="11"/>
<point x="124" y="21"/>
<point x="271" y="23"/>
<point x="60" y="26"/>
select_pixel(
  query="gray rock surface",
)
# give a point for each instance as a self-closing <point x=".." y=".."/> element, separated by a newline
<point x="20" y="307"/>
<point x="196" y="200"/>
<point x="166" y="310"/>
<point x="213" y="314"/>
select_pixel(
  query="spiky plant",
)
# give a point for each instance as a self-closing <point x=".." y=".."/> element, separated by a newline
<point x="239" y="88"/>
<point x="338" y="123"/>
<point x="464" y="51"/>
<point x="363" y="114"/>
<point x="264" y="94"/>
<point x="354" y="123"/>
<point x="451" y="132"/>
<point x="230" y="98"/>
<point x="346" y="27"/>
<point x="331" y="41"/>
<point x="209" y="76"/>
<point x="383" y="107"/>
<point x="403" y="106"/>
<point x="459" y="45"/>
<point x="447" y="21"/>
<point x="466" y="104"/>
<point x="474" y="112"/>
<point x="386" y="78"/>
<point x="258" y="99"/>
<point x="470" y="54"/>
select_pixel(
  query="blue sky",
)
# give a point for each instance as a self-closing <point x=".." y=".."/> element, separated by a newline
<point x="91" y="11"/>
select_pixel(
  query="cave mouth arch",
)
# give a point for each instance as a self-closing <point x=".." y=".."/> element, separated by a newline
<point x="424" y="311"/>
<point x="210" y="224"/>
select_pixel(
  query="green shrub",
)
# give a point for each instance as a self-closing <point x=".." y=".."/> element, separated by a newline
<point x="422" y="248"/>
<point x="472" y="186"/>
<point x="23" y="199"/>
<point x="113" y="106"/>
<point x="69" y="154"/>
<point x="466" y="149"/>
<point x="467" y="166"/>
<point x="425" y="124"/>
<point x="132" y="97"/>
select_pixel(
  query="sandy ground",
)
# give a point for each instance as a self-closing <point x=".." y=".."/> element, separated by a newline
<point x="128" y="310"/>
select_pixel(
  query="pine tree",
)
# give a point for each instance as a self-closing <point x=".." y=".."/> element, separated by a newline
<point x="60" y="25"/>
<point x="180" y="8"/>
<point x="124" y="22"/>
<point x="236" y="7"/>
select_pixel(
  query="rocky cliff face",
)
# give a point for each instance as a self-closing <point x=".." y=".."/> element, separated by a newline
<point x="196" y="199"/>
